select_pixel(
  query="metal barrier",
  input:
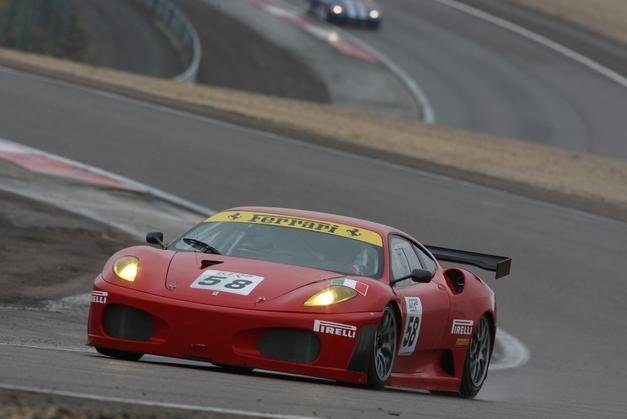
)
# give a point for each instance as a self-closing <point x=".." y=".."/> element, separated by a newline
<point x="46" y="26"/>
<point x="174" y="19"/>
<point x="37" y="25"/>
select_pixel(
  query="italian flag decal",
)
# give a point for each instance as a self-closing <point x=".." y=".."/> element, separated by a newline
<point x="360" y="287"/>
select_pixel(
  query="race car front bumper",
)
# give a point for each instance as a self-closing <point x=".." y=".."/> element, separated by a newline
<point x="321" y="345"/>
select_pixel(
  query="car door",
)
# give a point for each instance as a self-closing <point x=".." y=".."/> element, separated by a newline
<point x="425" y="306"/>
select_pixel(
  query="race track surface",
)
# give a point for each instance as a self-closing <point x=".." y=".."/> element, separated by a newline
<point x="484" y="78"/>
<point x="248" y="61"/>
<point x="565" y="299"/>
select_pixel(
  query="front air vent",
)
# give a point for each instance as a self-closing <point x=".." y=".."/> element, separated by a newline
<point x="292" y="345"/>
<point x="124" y="322"/>
<point x="447" y="362"/>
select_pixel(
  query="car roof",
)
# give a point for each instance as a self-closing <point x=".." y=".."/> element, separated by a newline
<point x="382" y="229"/>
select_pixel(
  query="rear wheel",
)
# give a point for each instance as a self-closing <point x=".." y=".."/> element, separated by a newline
<point x="383" y="350"/>
<point x="125" y="355"/>
<point x="477" y="360"/>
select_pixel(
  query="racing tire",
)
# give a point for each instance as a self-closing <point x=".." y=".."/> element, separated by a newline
<point x="477" y="360"/>
<point x="383" y="353"/>
<point x="125" y="355"/>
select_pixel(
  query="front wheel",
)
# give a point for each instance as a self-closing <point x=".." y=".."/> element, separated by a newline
<point x="125" y="355"/>
<point x="477" y="360"/>
<point x="383" y="352"/>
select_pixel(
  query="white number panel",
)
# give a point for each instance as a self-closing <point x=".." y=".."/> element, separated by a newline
<point x="411" y="331"/>
<point x="232" y="282"/>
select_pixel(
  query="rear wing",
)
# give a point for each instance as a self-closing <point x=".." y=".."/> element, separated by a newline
<point x="498" y="264"/>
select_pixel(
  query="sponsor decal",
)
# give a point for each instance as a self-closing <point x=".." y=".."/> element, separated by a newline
<point x="411" y="331"/>
<point x="337" y="329"/>
<point x="326" y="227"/>
<point x="462" y="342"/>
<point x="99" y="297"/>
<point x="360" y="287"/>
<point x="233" y="282"/>
<point x="462" y="327"/>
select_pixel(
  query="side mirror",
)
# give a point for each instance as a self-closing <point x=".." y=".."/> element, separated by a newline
<point x="421" y="275"/>
<point x="417" y="275"/>
<point x="155" y="237"/>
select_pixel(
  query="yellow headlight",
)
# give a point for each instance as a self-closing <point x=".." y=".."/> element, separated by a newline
<point x="337" y="9"/>
<point x="374" y="14"/>
<point x="126" y="268"/>
<point x="332" y="295"/>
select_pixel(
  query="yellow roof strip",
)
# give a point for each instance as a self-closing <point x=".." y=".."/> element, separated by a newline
<point x="300" y="223"/>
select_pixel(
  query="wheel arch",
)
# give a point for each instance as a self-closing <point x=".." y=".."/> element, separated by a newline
<point x="399" y="318"/>
<point x="492" y="320"/>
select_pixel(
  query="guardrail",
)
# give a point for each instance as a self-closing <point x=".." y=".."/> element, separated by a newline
<point x="176" y="21"/>
<point x="38" y="26"/>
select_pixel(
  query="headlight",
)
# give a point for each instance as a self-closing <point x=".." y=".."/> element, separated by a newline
<point x="337" y="9"/>
<point x="126" y="268"/>
<point x="332" y="295"/>
<point x="374" y="14"/>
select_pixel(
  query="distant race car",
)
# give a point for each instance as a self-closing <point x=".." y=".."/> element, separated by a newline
<point x="304" y="293"/>
<point x="360" y="12"/>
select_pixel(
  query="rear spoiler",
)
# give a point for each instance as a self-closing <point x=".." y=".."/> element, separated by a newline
<point x="499" y="264"/>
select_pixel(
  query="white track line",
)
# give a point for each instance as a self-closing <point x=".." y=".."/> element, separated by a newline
<point x="428" y="114"/>
<point x="421" y="98"/>
<point x="542" y="40"/>
<point x="49" y="347"/>
<point x="190" y="407"/>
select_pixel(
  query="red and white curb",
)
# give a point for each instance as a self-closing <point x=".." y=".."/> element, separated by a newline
<point x="40" y="161"/>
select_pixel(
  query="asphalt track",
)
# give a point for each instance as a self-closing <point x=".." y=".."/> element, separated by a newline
<point x="123" y="35"/>
<point x="565" y="299"/>
<point x="481" y="77"/>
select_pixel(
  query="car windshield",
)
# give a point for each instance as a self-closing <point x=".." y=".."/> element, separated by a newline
<point x="287" y="245"/>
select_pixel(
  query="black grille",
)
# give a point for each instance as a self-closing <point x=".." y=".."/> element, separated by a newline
<point x="293" y="345"/>
<point x="126" y="322"/>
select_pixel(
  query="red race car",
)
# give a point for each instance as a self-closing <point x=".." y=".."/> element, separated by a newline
<point x="305" y="293"/>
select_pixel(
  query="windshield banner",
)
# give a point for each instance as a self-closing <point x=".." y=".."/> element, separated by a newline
<point x="280" y="220"/>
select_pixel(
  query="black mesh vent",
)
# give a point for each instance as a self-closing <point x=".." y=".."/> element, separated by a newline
<point x="293" y="345"/>
<point x="446" y="362"/>
<point x="126" y="322"/>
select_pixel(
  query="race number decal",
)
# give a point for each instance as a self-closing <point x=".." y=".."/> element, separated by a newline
<point x="413" y="306"/>
<point x="232" y="282"/>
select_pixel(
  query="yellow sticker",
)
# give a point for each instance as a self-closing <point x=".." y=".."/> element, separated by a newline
<point x="462" y="341"/>
<point x="280" y="220"/>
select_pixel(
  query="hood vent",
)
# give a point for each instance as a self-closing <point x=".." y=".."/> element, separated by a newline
<point x="204" y="264"/>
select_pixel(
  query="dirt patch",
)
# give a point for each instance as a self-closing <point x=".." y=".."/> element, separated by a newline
<point x="608" y="17"/>
<point x="592" y="183"/>
<point x="48" y="253"/>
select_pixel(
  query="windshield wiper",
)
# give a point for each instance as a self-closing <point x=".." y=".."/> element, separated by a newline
<point x="202" y="246"/>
